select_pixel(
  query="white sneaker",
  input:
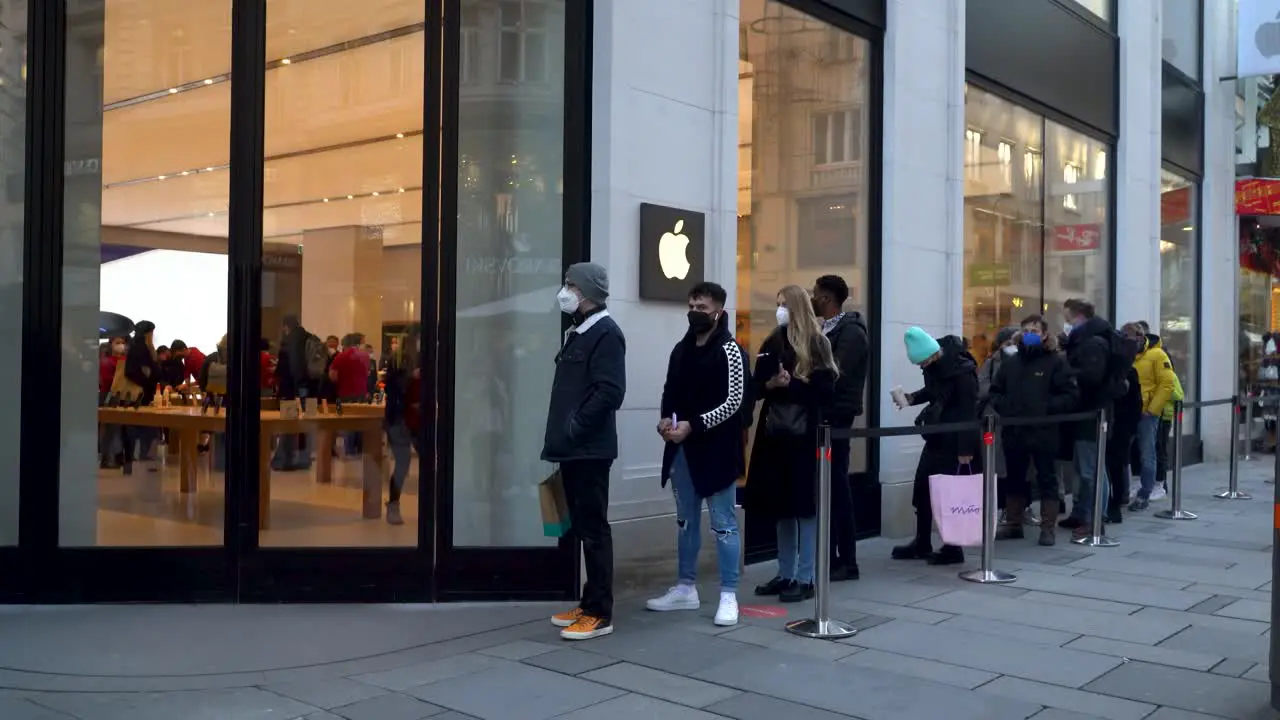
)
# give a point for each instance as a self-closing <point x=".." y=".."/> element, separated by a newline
<point x="680" y="597"/>
<point x="1158" y="492"/>
<point x="727" y="613"/>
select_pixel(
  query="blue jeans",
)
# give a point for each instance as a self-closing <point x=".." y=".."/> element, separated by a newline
<point x="1085" y="459"/>
<point x="797" y="544"/>
<point x="401" y="439"/>
<point x="724" y="523"/>
<point x="1146" y="439"/>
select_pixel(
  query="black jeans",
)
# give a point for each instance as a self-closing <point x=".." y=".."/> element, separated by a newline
<point x="844" y="527"/>
<point x="934" y="462"/>
<point x="1119" y="455"/>
<point x="1018" y="458"/>
<point x="586" y="491"/>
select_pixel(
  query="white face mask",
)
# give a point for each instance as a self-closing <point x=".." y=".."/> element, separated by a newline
<point x="783" y="315"/>
<point x="118" y="348"/>
<point x="1010" y="349"/>
<point x="568" y="300"/>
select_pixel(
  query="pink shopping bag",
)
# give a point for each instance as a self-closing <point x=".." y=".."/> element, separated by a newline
<point x="957" y="508"/>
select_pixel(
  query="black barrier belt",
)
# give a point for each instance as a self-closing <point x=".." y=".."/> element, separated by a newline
<point x="1045" y="419"/>
<point x="1207" y="403"/>
<point x="847" y="433"/>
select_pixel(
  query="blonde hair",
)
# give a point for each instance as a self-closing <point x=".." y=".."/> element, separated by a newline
<point x="804" y="333"/>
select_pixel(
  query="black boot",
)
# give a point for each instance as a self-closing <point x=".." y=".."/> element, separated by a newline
<point x="948" y="555"/>
<point x="917" y="549"/>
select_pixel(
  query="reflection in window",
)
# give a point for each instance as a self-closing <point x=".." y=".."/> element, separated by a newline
<point x="1180" y="23"/>
<point x="1070" y="176"/>
<point x="1004" y="152"/>
<point x="1077" y="221"/>
<point x="802" y="197"/>
<point x="13" y="33"/>
<point x="1179" y="298"/>
<point x="523" y="44"/>
<point x="973" y="153"/>
<point x="1101" y="8"/>
<point x="472" y="49"/>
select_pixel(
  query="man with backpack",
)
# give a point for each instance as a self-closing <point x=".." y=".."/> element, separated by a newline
<point x="1101" y="359"/>
<point x="303" y="361"/>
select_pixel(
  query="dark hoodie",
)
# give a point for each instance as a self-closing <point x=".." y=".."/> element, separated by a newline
<point x="951" y="390"/>
<point x="851" y="348"/>
<point x="707" y="387"/>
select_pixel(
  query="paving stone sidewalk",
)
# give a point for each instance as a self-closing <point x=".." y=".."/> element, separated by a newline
<point x="1171" y="625"/>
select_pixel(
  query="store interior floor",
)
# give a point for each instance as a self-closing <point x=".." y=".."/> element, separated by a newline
<point x="147" y="508"/>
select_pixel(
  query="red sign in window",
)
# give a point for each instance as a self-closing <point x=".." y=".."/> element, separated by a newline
<point x="1076" y="239"/>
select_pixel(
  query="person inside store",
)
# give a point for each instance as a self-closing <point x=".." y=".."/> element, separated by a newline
<point x="703" y="453"/>
<point x="171" y="374"/>
<point x="1034" y="381"/>
<point x="214" y="382"/>
<point x="191" y="359"/>
<point x="794" y="377"/>
<point x="587" y="390"/>
<point x="950" y="395"/>
<point x="402" y="417"/>
<point x="349" y="377"/>
<point x="1156" y="381"/>
<point x="266" y="369"/>
<point x="303" y="361"/>
<point x="110" y="447"/>
<point x="142" y="371"/>
<point x="851" y="346"/>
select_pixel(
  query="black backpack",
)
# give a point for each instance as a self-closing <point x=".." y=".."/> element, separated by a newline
<point x="1123" y="351"/>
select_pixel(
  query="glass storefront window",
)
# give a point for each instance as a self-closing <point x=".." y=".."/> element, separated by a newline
<point x="1101" y="8"/>
<point x="1180" y="23"/>
<point x="509" y="266"/>
<point x="13" y="113"/>
<point x="1179" y="256"/>
<point x="145" y="247"/>
<point x="1036" y="217"/>
<point x="804" y="122"/>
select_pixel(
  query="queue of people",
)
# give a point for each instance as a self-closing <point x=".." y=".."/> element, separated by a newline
<point x="811" y="370"/>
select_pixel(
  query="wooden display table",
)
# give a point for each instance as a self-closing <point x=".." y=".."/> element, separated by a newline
<point x="186" y="423"/>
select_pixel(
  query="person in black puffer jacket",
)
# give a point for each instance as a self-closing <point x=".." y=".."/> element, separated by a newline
<point x="1034" y="382"/>
<point x="1124" y="429"/>
<point x="951" y="392"/>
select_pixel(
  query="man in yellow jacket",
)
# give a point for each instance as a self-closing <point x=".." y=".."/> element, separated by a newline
<point x="1155" y="374"/>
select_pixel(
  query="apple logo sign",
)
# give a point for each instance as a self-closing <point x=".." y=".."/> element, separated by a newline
<point x="672" y="252"/>
<point x="1267" y="38"/>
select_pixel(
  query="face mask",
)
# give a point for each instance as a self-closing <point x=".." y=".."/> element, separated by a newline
<point x="783" y="317"/>
<point x="118" y="348"/>
<point x="1067" y="327"/>
<point x="568" y="301"/>
<point x="1009" y="350"/>
<point x="700" y="322"/>
<point x="1030" y="339"/>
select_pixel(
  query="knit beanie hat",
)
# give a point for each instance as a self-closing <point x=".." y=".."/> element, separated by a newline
<point x="920" y="345"/>
<point x="1005" y="335"/>
<point x="591" y="280"/>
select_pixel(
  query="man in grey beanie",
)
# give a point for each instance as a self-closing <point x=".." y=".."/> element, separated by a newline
<point x="582" y="436"/>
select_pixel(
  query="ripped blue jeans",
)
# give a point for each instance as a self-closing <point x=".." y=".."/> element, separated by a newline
<point x="724" y="525"/>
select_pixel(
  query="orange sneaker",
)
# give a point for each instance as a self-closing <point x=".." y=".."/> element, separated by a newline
<point x="566" y="619"/>
<point x="586" y="628"/>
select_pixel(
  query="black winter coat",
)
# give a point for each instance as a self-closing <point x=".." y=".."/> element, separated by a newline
<point x="851" y="347"/>
<point x="706" y="387"/>
<point x="141" y="367"/>
<point x="1033" y="383"/>
<point x="588" y="388"/>
<point x="1088" y="350"/>
<point x="951" y="392"/>
<point x="781" y="477"/>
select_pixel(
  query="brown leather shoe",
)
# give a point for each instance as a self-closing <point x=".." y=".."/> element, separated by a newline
<point x="1048" y="521"/>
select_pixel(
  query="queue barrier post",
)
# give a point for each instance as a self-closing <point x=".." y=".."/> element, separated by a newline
<point x="1248" y="428"/>
<point x="1175" y="511"/>
<point x="1233" y="491"/>
<point x="821" y="625"/>
<point x="987" y="573"/>
<point x="1097" y="536"/>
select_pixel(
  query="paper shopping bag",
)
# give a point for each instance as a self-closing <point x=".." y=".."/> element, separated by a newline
<point x="555" y="508"/>
<point x="957" y="508"/>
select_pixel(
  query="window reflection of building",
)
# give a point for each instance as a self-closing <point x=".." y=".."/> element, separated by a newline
<point x="802" y="162"/>
<point x="1179" y="255"/>
<point x="1025" y="253"/>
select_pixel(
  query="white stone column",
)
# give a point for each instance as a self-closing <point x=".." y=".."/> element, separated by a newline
<point x="1219" y="321"/>
<point x="923" y="238"/>
<point x="341" y="281"/>
<point x="1137" y="167"/>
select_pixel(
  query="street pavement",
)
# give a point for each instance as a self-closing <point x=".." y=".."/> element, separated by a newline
<point x="1171" y="625"/>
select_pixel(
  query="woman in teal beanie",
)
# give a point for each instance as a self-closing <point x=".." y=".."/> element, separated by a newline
<point x="951" y="392"/>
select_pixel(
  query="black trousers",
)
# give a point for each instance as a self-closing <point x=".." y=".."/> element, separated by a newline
<point x="844" y="528"/>
<point x="586" y="491"/>
<point x="1018" y="458"/>
<point x="933" y="462"/>
<point x="1120" y="448"/>
<point x="1163" y="429"/>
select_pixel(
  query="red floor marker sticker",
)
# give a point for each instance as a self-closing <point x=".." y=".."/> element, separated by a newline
<point x="762" y="611"/>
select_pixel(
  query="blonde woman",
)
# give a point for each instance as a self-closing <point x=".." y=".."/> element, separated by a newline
<point x="794" y="376"/>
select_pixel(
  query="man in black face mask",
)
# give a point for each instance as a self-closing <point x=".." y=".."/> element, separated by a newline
<point x="703" y="402"/>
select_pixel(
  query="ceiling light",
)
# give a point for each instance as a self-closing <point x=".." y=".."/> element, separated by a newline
<point x="211" y="214"/>
<point x="326" y="199"/>
<point x="162" y="177"/>
<point x="208" y="169"/>
<point x="351" y="197"/>
<point x="399" y="135"/>
<point x="186" y="172"/>
<point x="400" y="190"/>
<point x="1188" y="228"/>
<point x="208" y="81"/>
<point x="375" y="194"/>
<point x="173" y="91"/>
<point x="285" y="61"/>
